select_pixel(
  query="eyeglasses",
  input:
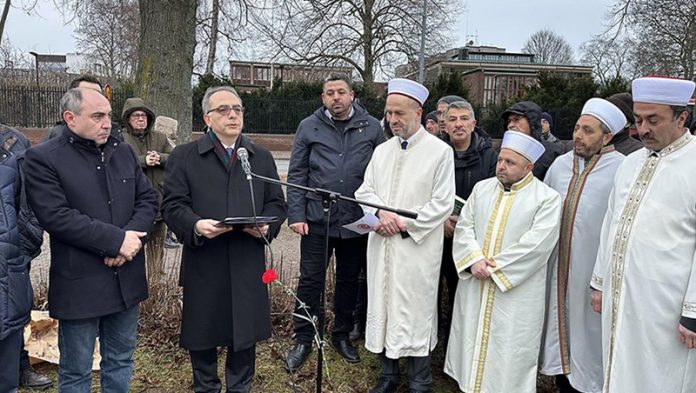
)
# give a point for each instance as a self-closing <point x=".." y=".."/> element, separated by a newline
<point x="138" y="115"/>
<point x="224" y="110"/>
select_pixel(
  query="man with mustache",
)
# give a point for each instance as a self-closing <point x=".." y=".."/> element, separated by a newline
<point x="474" y="160"/>
<point x="331" y="150"/>
<point x="413" y="171"/>
<point x="572" y="346"/>
<point x="503" y="239"/>
<point x="644" y="278"/>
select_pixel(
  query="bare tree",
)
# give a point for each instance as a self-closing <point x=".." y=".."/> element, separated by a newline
<point x="371" y="36"/>
<point x="108" y="33"/>
<point x="610" y="58"/>
<point x="223" y="29"/>
<point x="212" y="46"/>
<point x="549" y="48"/>
<point x="3" y="18"/>
<point x="11" y="57"/>
<point x="663" y="33"/>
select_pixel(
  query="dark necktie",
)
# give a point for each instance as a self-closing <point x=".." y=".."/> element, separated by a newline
<point x="404" y="145"/>
<point x="229" y="150"/>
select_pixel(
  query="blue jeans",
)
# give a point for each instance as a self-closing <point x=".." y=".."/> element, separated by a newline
<point x="117" y="333"/>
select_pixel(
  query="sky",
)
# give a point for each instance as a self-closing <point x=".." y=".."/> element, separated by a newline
<point x="502" y="23"/>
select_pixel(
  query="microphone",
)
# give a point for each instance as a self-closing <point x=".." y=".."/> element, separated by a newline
<point x="243" y="156"/>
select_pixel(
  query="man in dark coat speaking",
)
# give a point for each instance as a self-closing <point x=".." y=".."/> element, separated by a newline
<point x="225" y="301"/>
<point x="89" y="193"/>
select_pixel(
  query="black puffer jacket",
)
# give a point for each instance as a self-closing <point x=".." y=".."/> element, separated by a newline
<point x="473" y="165"/>
<point x="554" y="149"/>
<point x="20" y="236"/>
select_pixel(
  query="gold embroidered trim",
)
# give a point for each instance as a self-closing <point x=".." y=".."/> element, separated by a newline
<point x="488" y="311"/>
<point x="467" y="259"/>
<point x="522" y="183"/>
<point x="620" y="244"/>
<point x="483" y="349"/>
<point x="503" y="278"/>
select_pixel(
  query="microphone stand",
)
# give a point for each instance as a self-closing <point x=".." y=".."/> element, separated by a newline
<point x="328" y="198"/>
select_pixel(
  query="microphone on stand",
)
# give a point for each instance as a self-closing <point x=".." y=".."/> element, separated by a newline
<point x="243" y="156"/>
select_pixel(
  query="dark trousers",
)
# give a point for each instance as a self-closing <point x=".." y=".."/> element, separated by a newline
<point x="449" y="277"/>
<point x="23" y="359"/>
<point x="420" y="376"/>
<point x="351" y="256"/>
<point x="360" y="313"/>
<point x="9" y="361"/>
<point x="239" y="370"/>
<point x="564" y="386"/>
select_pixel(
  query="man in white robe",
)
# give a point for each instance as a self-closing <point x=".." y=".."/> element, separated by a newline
<point x="644" y="276"/>
<point x="584" y="177"/>
<point x="414" y="171"/>
<point x="502" y="242"/>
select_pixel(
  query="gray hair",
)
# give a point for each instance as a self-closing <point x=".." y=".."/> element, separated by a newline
<point x="463" y="104"/>
<point x="205" y="103"/>
<point x="71" y="101"/>
<point x="604" y="128"/>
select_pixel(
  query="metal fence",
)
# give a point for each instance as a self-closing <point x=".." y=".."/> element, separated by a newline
<point x="27" y="106"/>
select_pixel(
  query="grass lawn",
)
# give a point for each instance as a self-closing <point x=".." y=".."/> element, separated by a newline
<point x="170" y="371"/>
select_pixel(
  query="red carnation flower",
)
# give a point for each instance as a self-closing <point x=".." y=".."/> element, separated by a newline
<point x="269" y="276"/>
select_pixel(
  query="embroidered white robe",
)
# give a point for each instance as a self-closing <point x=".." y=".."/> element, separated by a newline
<point x="403" y="273"/>
<point x="497" y="323"/>
<point x="572" y="341"/>
<point x="645" y="270"/>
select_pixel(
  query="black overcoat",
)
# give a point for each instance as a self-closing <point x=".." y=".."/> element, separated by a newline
<point x="86" y="198"/>
<point x="225" y="301"/>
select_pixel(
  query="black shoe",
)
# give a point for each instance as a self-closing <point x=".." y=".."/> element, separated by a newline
<point x="297" y="356"/>
<point x="358" y="332"/>
<point x="384" y="385"/>
<point x="346" y="349"/>
<point x="29" y="378"/>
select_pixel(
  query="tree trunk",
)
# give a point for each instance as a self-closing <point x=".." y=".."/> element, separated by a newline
<point x="213" y="38"/>
<point x="165" y="59"/>
<point x="3" y="19"/>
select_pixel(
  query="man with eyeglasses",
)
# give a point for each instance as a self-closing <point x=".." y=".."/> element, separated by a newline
<point x="89" y="193"/>
<point x="152" y="149"/>
<point x="331" y="150"/>
<point x="225" y="301"/>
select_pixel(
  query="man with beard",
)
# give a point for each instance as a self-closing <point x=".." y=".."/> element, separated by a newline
<point x="331" y="150"/>
<point x="572" y="345"/>
<point x="474" y="160"/>
<point x="645" y="274"/>
<point x="503" y="239"/>
<point x="525" y="117"/>
<point x="412" y="171"/>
